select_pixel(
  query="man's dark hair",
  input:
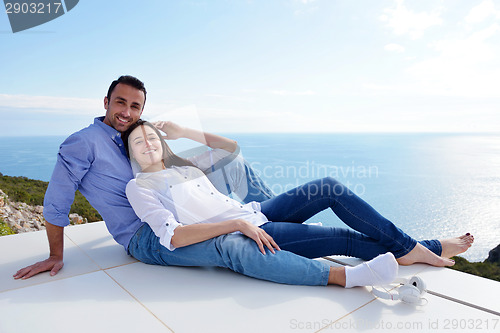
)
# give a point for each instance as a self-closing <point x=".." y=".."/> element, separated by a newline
<point x="129" y="81"/>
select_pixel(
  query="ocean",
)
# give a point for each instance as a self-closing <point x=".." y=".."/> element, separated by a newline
<point x="430" y="185"/>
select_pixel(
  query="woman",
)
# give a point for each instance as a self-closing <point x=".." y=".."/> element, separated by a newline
<point x="183" y="208"/>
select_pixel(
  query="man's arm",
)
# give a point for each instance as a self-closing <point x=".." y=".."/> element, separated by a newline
<point x="54" y="263"/>
<point x="73" y="162"/>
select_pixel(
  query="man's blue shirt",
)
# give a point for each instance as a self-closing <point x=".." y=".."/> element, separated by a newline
<point x="93" y="161"/>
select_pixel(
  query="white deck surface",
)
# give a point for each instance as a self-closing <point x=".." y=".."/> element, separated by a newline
<point x="101" y="289"/>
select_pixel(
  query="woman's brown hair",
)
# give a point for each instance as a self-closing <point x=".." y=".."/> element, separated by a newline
<point x="168" y="157"/>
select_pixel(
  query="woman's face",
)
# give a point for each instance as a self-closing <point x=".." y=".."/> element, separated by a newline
<point x="145" y="148"/>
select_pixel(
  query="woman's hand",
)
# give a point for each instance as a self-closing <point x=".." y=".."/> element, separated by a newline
<point x="258" y="235"/>
<point x="171" y="129"/>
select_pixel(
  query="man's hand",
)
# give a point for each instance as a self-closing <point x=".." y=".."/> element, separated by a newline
<point x="52" y="264"/>
<point x="258" y="235"/>
<point x="171" y="129"/>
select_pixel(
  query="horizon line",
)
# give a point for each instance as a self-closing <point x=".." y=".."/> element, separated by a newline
<point x="298" y="133"/>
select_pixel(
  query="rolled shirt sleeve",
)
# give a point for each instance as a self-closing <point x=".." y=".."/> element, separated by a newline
<point x="73" y="162"/>
<point x="150" y="210"/>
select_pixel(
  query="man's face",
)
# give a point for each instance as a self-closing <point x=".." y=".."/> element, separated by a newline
<point x="124" y="107"/>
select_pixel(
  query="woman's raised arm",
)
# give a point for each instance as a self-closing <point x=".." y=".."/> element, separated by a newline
<point x="174" y="131"/>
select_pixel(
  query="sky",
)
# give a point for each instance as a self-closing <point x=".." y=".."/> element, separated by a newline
<point x="260" y="66"/>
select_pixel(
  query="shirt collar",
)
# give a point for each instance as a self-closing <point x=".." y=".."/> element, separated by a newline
<point x="113" y="134"/>
<point x="99" y="121"/>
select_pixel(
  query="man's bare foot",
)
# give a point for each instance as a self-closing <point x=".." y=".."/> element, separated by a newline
<point x="457" y="245"/>
<point x="421" y="254"/>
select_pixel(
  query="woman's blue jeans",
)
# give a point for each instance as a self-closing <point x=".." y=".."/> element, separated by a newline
<point x="372" y="235"/>
<point x="234" y="251"/>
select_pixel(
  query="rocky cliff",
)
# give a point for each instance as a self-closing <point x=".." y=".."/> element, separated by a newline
<point x="21" y="217"/>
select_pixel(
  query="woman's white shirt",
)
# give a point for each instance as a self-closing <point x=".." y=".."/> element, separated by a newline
<point x="183" y="196"/>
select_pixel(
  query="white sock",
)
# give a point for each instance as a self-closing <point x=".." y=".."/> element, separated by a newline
<point x="378" y="271"/>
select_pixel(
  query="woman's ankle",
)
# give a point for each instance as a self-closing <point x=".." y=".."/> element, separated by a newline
<point x="337" y="276"/>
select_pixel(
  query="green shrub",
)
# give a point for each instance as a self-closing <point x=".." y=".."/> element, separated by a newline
<point x="23" y="189"/>
<point x="5" y="229"/>
<point x="32" y="192"/>
<point x="485" y="269"/>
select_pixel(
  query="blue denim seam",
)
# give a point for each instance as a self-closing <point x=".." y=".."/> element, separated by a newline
<point x="325" y="274"/>
<point x="349" y="250"/>
<point x="435" y="247"/>
<point x="285" y="219"/>
<point x="306" y="240"/>
<point x="398" y="254"/>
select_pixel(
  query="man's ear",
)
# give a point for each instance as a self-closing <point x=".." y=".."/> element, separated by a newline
<point x="106" y="102"/>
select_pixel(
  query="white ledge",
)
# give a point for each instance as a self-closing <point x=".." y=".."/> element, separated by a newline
<point x="102" y="289"/>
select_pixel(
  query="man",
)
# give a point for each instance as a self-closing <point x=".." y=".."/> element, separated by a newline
<point x="95" y="162"/>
